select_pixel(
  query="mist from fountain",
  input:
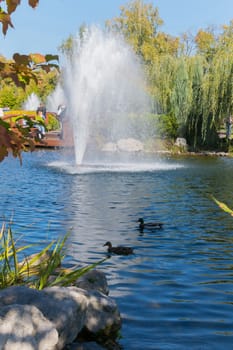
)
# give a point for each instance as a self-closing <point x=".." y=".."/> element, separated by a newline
<point x="103" y="86"/>
<point x="32" y="102"/>
<point x="55" y="99"/>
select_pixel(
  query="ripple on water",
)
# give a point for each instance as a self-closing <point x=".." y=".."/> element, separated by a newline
<point x="176" y="291"/>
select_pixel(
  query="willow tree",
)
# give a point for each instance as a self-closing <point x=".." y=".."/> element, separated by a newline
<point x="194" y="123"/>
<point x="161" y="77"/>
<point x="181" y="98"/>
<point x="225" y="53"/>
<point x="216" y="89"/>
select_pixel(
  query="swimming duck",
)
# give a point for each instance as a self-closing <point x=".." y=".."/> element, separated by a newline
<point x="149" y="225"/>
<point x="120" y="250"/>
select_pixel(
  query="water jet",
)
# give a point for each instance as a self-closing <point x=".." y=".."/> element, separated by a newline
<point x="31" y="103"/>
<point x="104" y="90"/>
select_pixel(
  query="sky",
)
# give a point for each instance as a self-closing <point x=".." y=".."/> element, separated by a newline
<point x="42" y="30"/>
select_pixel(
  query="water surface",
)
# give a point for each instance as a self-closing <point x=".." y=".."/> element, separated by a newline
<point x="176" y="291"/>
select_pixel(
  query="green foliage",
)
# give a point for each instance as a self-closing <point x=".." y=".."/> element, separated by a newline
<point x="181" y="97"/>
<point x="67" y="46"/>
<point x="151" y="126"/>
<point x="13" y="96"/>
<point x="52" y="122"/>
<point x="39" y="270"/>
<point x="10" y="272"/>
<point x="10" y="95"/>
<point x="167" y="126"/>
<point x="139" y="23"/>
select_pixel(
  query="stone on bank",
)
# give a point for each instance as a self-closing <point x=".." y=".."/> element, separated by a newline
<point x="54" y="317"/>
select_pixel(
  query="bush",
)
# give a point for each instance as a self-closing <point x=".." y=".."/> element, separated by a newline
<point x="52" y="121"/>
<point x="167" y="126"/>
<point x="150" y="126"/>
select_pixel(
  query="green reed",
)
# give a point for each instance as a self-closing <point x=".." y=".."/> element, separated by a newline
<point x="40" y="270"/>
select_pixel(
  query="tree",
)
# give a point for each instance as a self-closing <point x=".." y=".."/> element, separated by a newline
<point x="67" y="45"/>
<point x="181" y="97"/>
<point x="139" y="23"/>
<point x="206" y="43"/>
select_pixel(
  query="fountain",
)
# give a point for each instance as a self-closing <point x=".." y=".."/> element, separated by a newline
<point x="31" y="103"/>
<point x="55" y="99"/>
<point x="103" y="87"/>
<point x="104" y="90"/>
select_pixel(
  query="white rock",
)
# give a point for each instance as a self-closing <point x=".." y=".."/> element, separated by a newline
<point x="130" y="145"/>
<point x="181" y="142"/>
<point x="66" y="314"/>
<point x="93" y="280"/>
<point x="24" y="327"/>
<point x="109" y="147"/>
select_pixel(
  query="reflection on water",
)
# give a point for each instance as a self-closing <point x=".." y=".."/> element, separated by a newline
<point x="176" y="291"/>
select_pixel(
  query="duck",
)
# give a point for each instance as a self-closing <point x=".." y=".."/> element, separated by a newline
<point x="119" y="250"/>
<point x="149" y="225"/>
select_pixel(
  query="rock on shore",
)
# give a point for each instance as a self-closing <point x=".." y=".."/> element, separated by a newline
<point x="53" y="318"/>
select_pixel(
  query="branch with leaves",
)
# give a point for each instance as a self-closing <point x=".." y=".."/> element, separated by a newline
<point x="15" y="140"/>
<point x="21" y="69"/>
<point x="10" y="7"/>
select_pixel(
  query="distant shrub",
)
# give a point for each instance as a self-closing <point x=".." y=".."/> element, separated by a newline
<point x="147" y="126"/>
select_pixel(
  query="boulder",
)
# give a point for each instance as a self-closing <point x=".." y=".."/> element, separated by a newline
<point x="67" y="314"/>
<point x="54" y="317"/>
<point x="109" y="147"/>
<point x="24" y="327"/>
<point x="102" y="313"/>
<point x="93" y="280"/>
<point x="130" y="145"/>
<point x="124" y="145"/>
<point x="181" y="142"/>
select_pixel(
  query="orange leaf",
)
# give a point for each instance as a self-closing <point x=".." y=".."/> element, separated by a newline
<point x="12" y="5"/>
<point x="37" y="58"/>
<point x="6" y="21"/>
<point x="33" y="3"/>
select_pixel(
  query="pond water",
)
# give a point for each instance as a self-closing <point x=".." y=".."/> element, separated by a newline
<point x="176" y="291"/>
